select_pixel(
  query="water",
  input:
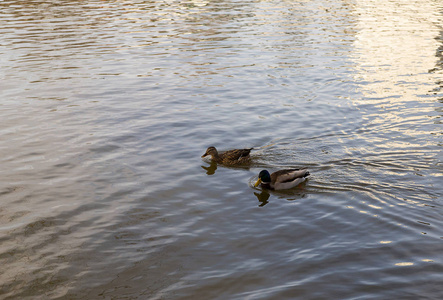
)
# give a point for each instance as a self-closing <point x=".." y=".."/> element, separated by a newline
<point x="107" y="106"/>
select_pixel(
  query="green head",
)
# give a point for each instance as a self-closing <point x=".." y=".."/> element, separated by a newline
<point x="263" y="177"/>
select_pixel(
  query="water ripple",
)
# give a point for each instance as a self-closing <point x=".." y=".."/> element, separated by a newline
<point x="108" y="105"/>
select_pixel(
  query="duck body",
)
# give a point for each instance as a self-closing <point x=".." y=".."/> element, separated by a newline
<point x="282" y="179"/>
<point x="230" y="157"/>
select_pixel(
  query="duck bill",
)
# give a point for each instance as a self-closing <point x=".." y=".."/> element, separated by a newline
<point x="257" y="183"/>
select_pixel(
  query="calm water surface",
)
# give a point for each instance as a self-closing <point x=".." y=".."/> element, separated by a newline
<point x="107" y="106"/>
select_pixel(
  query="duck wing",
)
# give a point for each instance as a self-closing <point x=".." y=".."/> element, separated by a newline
<point x="288" y="175"/>
<point x="235" y="154"/>
<point x="289" y="178"/>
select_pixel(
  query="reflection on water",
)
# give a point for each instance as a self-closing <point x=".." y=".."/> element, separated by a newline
<point x="211" y="169"/>
<point x="395" y="49"/>
<point x="389" y="68"/>
<point x="107" y="106"/>
<point x="262" y="197"/>
<point x="296" y="193"/>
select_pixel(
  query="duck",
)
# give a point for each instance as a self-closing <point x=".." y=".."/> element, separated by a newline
<point x="230" y="157"/>
<point x="282" y="179"/>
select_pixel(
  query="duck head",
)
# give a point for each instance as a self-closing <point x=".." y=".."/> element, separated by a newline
<point x="210" y="151"/>
<point x="263" y="177"/>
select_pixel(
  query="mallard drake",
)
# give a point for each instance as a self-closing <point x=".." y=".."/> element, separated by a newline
<point x="230" y="157"/>
<point x="283" y="179"/>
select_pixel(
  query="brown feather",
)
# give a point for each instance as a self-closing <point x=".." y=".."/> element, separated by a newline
<point x="230" y="157"/>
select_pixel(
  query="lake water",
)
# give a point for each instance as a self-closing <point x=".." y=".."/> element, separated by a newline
<point x="107" y="106"/>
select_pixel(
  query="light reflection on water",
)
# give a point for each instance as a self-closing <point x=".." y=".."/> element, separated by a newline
<point x="107" y="106"/>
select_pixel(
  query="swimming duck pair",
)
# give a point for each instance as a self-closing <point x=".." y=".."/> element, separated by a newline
<point x="279" y="180"/>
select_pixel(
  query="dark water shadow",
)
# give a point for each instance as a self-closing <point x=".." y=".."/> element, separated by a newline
<point x="262" y="197"/>
<point x="210" y="170"/>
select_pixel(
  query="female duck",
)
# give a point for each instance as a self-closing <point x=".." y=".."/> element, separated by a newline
<point x="283" y="179"/>
<point x="230" y="157"/>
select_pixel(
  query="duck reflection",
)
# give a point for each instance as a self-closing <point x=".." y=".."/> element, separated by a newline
<point x="262" y="197"/>
<point x="290" y="195"/>
<point x="211" y="169"/>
